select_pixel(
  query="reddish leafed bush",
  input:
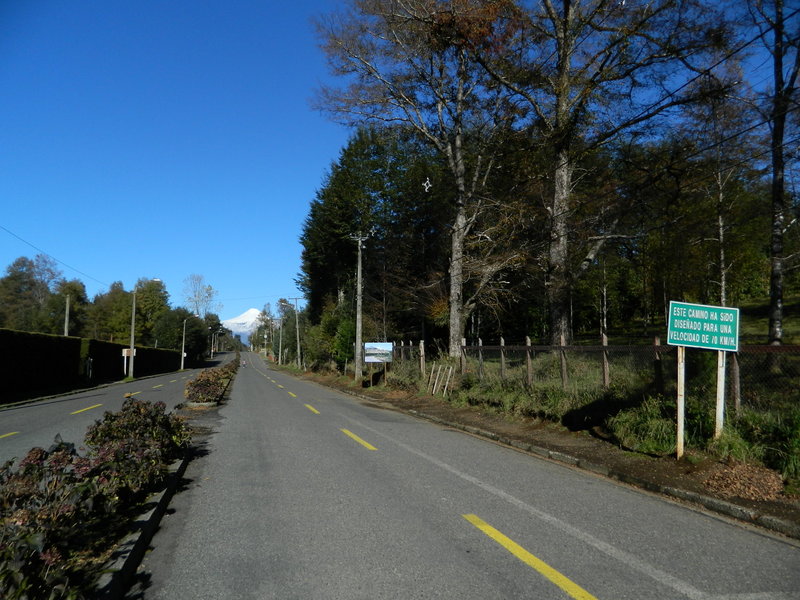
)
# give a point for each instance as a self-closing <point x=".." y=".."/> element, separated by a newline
<point x="57" y="507"/>
<point x="210" y="385"/>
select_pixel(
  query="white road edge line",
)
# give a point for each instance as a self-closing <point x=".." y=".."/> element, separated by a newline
<point x="655" y="573"/>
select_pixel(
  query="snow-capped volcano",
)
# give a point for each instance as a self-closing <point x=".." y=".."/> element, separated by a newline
<point x="244" y="324"/>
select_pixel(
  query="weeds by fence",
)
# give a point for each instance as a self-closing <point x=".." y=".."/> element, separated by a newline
<point x="759" y="377"/>
<point x="628" y="393"/>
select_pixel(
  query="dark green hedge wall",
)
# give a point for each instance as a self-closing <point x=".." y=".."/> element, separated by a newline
<point x="34" y="364"/>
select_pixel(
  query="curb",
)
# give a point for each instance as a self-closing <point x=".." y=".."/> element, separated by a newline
<point x="729" y="509"/>
<point x="118" y="572"/>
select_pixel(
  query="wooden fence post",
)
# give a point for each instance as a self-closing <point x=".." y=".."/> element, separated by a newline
<point x="563" y="353"/>
<point x="463" y="355"/>
<point x="422" y="357"/>
<point x="736" y="385"/>
<point x="606" y="375"/>
<point x="502" y="359"/>
<point x="658" y="367"/>
<point x="528" y="361"/>
<point x="480" y="359"/>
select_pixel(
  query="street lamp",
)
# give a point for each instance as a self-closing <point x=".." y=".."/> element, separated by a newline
<point x="214" y="337"/>
<point x="183" y="340"/>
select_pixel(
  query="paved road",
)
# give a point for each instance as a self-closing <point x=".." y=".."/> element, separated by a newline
<point x="306" y="493"/>
<point x="37" y="423"/>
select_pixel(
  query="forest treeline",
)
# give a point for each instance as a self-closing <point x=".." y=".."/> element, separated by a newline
<point x="553" y="170"/>
<point x="35" y="296"/>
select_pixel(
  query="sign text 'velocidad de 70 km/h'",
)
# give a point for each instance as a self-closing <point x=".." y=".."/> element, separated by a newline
<point x="701" y="326"/>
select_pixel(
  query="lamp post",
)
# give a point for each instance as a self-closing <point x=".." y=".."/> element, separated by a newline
<point x="183" y="342"/>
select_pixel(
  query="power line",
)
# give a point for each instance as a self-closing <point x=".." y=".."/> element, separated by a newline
<point x="53" y="257"/>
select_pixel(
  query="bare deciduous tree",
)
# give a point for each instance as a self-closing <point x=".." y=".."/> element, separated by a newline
<point x="199" y="295"/>
<point x="589" y="70"/>
<point x="407" y="63"/>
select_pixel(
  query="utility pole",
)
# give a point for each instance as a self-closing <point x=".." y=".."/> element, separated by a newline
<point x="280" y="342"/>
<point x="358" y="239"/>
<point x="66" y="319"/>
<point x="297" y="328"/>
<point x="133" y="328"/>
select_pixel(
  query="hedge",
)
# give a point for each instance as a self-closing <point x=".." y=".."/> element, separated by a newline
<point x="36" y="364"/>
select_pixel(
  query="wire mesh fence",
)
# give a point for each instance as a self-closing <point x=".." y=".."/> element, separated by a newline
<point x="760" y="377"/>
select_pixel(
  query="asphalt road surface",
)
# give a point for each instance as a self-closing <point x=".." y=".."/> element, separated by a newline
<point x="308" y="493"/>
<point x="27" y="425"/>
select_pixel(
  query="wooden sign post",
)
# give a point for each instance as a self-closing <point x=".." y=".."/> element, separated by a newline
<point x="708" y="327"/>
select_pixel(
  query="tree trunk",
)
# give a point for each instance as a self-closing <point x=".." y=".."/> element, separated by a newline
<point x="558" y="267"/>
<point x="457" y="282"/>
<point x="780" y="105"/>
<point x="776" y="243"/>
<point x="558" y="276"/>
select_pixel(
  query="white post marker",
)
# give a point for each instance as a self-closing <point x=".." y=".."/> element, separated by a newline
<point x="708" y="327"/>
<point x="681" y="399"/>
<point x="720" y="412"/>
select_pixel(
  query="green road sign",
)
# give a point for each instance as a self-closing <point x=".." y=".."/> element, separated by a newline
<point x="701" y="326"/>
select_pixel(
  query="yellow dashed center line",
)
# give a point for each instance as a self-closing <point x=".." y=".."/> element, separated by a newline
<point x="173" y="380"/>
<point x="292" y="395"/>
<point x="158" y="386"/>
<point x="5" y="435"/>
<point x="570" y="587"/>
<point x="280" y="386"/>
<point x="311" y="408"/>
<point x="85" y="409"/>
<point x="353" y="436"/>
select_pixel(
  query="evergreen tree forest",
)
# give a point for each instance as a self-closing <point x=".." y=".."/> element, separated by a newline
<point x="555" y="171"/>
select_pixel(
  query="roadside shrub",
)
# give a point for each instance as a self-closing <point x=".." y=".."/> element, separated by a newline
<point x="57" y="507"/>
<point x="210" y="385"/>
<point x="777" y="435"/>
<point x="648" y="428"/>
<point x="404" y="375"/>
<point x="43" y="510"/>
<point x="134" y="446"/>
<point x="731" y="444"/>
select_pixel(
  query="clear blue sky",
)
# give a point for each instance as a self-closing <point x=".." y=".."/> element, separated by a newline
<point x="161" y="138"/>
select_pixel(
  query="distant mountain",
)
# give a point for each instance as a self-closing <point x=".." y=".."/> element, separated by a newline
<point x="244" y="324"/>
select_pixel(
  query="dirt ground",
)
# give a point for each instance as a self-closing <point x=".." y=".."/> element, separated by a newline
<point x="749" y="486"/>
